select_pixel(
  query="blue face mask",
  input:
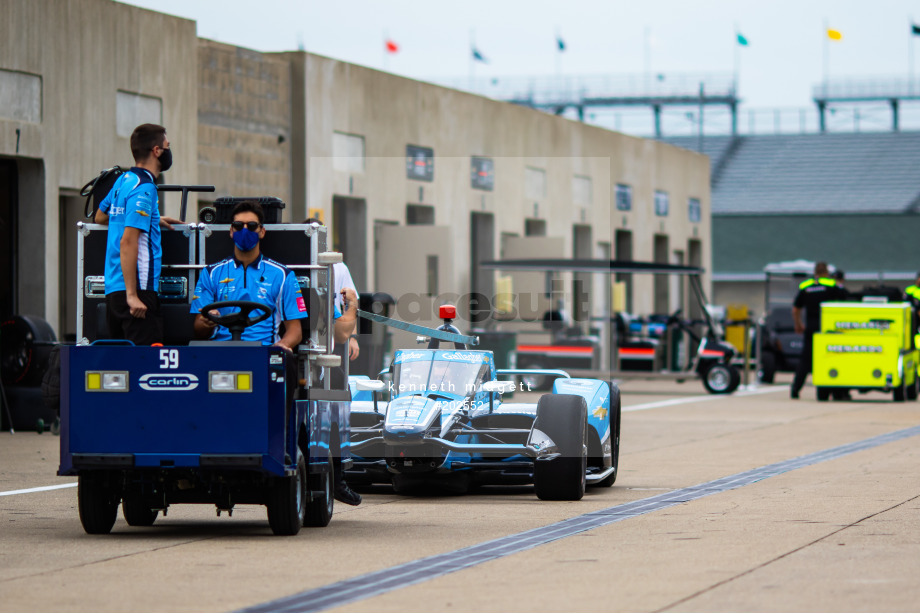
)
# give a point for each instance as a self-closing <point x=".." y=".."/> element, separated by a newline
<point x="245" y="239"/>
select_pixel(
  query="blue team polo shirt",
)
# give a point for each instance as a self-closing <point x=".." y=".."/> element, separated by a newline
<point x="132" y="202"/>
<point x="264" y="281"/>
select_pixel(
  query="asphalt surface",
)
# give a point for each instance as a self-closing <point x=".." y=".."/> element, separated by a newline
<point x="837" y="532"/>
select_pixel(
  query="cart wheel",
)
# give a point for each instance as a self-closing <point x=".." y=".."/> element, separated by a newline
<point x="721" y="378"/>
<point x="899" y="393"/>
<point x="40" y="426"/>
<point x="822" y="393"/>
<point x="563" y="418"/>
<point x="287" y="500"/>
<point x="137" y="513"/>
<point x="97" y="502"/>
<point x="318" y="512"/>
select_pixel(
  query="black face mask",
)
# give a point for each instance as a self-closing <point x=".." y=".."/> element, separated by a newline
<point x="165" y="160"/>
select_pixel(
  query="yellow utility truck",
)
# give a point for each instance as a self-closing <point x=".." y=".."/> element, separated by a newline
<point x="865" y="346"/>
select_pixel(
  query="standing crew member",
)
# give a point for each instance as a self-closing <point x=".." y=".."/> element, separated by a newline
<point x="821" y="288"/>
<point x="133" y="252"/>
<point x="342" y="280"/>
<point x="912" y="296"/>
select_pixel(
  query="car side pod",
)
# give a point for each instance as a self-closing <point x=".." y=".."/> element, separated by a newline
<point x="561" y="476"/>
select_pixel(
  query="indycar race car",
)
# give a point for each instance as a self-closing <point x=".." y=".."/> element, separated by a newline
<point x="445" y="425"/>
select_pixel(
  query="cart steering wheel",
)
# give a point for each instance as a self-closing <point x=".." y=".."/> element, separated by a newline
<point x="237" y="321"/>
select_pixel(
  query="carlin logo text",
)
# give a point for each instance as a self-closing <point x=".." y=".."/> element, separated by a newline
<point x="855" y="349"/>
<point x="169" y="381"/>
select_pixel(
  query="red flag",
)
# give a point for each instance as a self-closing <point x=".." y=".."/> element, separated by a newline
<point x="392" y="47"/>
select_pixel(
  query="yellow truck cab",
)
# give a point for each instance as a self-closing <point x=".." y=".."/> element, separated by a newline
<point x="865" y="346"/>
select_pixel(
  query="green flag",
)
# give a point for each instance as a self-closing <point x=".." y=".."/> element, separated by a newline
<point x="741" y="40"/>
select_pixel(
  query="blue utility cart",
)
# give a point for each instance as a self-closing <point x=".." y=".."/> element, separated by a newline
<point x="203" y="421"/>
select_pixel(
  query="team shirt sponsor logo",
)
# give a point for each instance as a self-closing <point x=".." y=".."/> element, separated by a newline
<point x="301" y="306"/>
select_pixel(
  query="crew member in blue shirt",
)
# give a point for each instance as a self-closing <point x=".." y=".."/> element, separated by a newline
<point x="133" y="251"/>
<point x="250" y="276"/>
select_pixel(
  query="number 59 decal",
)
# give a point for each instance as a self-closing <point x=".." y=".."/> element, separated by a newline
<point x="169" y="359"/>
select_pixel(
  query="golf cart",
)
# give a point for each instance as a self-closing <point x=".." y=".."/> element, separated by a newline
<point x="712" y="360"/>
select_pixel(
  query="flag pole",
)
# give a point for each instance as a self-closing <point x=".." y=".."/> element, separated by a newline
<point x="910" y="58"/>
<point x="737" y="46"/>
<point x="558" y="56"/>
<point x="386" y="60"/>
<point x="826" y="52"/>
<point x="472" y="60"/>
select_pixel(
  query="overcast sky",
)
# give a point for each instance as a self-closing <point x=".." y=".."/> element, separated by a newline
<point x="784" y="59"/>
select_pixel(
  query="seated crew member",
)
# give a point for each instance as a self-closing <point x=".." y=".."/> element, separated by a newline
<point x="249" y="276"/>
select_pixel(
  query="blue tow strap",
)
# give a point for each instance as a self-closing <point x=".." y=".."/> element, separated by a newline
<point x="421" y="330"/>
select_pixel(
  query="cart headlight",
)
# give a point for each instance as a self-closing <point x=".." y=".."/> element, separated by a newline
<point x="230" y="381"/>
<point x="107" y="381"/>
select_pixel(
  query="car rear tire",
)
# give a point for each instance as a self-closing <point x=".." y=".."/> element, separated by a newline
<point x="822" y="393"/>
<point x="615" y="411"/>
<point x="137" y="513"/>
<point x="563" y="418"/>
<point x="287" y="501"/>
<point x="899" y="393"/>
<point x="318" y="512"/>
<point x="721" y="378"/>
<point x="97" y="502"/>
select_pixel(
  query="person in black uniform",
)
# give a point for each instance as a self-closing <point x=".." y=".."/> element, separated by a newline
<point x="819" y="289"/>
<point x="912" y="296"/>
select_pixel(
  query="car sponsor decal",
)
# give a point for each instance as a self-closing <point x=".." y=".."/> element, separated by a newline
<point x="407" y="356"/>
<point x="460" y="356"/>
<point x="600" y="412"/>
<point x="168" y="381"/>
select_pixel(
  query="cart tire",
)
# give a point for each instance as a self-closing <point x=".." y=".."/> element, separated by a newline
<point x="823" y="393"/>
<point x="137" y="513"/>
<point x="563" y="417"/>
<point x="615" y="411"/>
<point x="287" y="501"/>
<point x="899" y="393"/>
<point x="912" y="391"/>
<point x="97" y="502"/>
<point x="318" y="512"/>
<point x="767" y="368"/>
<point x="721" y="378"/>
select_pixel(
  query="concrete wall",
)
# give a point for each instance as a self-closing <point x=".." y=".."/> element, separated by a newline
<point x="291" y="125"/>
<point x="84" y="52"/>
<point x="390" y="112"/>
<point x="244" y="122"/>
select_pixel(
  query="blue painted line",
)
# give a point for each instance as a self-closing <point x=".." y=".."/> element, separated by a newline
<point x="422" y="570"/>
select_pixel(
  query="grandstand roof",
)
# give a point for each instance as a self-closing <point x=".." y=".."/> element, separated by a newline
<point x="855" y="173"/>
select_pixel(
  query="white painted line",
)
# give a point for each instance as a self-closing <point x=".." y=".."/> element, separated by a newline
<point x="39" y="489"/>
<point x="710" y="397"/>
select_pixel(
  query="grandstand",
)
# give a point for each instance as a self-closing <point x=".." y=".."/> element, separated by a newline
<point x="852" y="199"/>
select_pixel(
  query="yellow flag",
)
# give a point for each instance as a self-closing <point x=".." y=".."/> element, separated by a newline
<point x="834" y="35"/>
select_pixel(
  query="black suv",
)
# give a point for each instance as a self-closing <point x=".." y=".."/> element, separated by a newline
<point x="781" y="346"/>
